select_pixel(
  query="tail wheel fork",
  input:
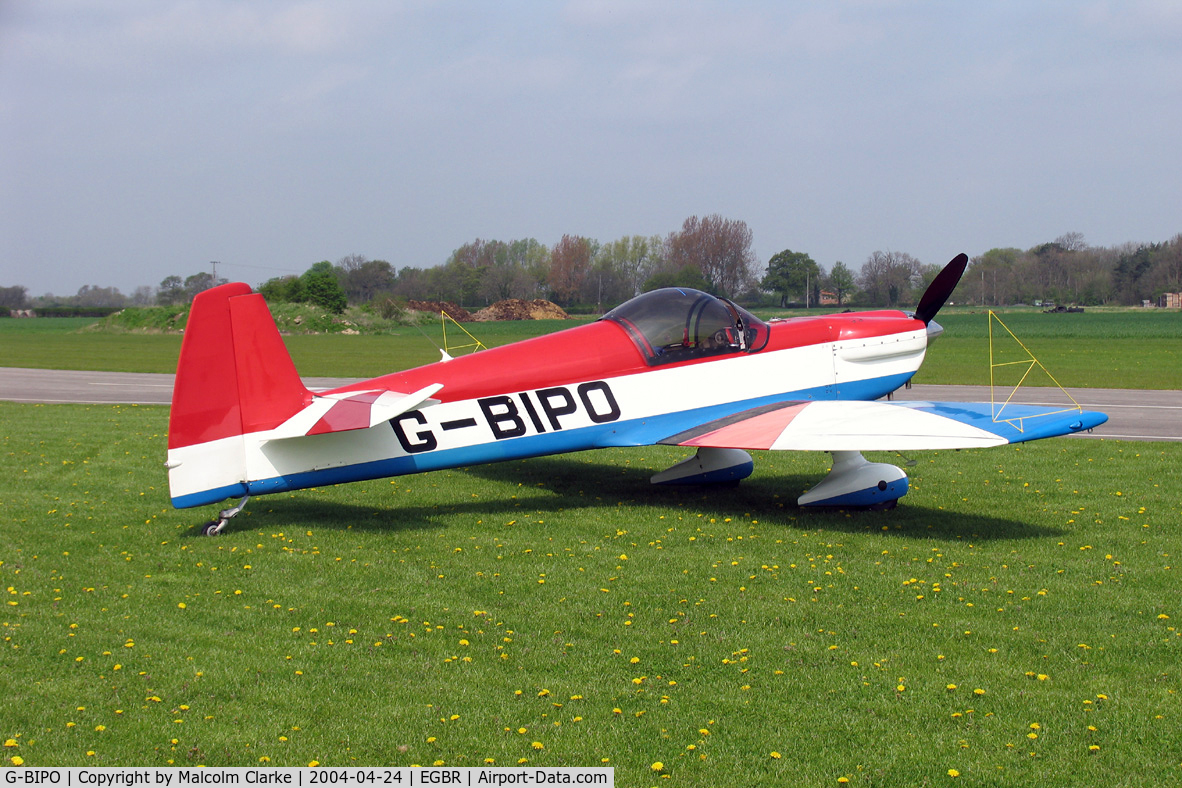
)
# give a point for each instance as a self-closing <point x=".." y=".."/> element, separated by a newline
<point x="214" y="527"/>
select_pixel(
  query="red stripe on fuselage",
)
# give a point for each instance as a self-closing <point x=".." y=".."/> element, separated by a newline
<point x="589" y="352"/>
<point x="601" y="350"/>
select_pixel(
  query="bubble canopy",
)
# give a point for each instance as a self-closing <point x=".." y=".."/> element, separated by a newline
<point x="678" y="323"/>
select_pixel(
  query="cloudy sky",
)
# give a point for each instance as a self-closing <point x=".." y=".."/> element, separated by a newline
<point x="143" y="138"/>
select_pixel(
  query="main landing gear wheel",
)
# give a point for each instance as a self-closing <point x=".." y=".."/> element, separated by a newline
<point x="214" y="527"/>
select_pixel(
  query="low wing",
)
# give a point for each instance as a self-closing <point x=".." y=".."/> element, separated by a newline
<point x="354" y="410"/>
<point x="847" y="425"/>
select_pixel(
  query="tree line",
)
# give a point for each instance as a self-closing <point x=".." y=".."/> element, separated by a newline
<point x="710" y="253"/>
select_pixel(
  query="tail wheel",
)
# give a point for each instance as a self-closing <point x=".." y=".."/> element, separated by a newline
<point x="213" y="527"/>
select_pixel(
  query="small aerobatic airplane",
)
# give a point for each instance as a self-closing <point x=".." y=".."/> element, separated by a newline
<point x="672" y="366"/>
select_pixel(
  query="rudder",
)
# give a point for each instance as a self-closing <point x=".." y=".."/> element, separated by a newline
<point x="234" y="376"/>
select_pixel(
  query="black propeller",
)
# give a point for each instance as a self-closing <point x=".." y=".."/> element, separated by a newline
<point x="940" y="288"/>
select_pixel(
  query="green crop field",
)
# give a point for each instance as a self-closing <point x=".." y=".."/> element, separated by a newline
<point x="1013" y="622"/>
<point x="1096" y="349"/>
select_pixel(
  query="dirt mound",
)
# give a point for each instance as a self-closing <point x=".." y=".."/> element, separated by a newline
<point x="456" y="313"/>
<point x="519" y="309"/>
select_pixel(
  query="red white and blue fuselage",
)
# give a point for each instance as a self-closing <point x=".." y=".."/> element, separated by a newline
<point x="674" y="366"/>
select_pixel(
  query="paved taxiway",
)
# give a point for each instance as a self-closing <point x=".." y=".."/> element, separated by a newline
<point x="1132" y="415"/>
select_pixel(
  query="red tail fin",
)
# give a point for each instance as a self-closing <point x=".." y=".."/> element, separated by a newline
<point x="234" y="374"/>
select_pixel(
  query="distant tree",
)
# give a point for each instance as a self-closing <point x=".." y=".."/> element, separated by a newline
<point x="144" y="295"/>
<point x="607" y="283"/>
<point x="888" y="278"/>
<point x="532" y="256"/>
<point x="1130" y="276"/>
<point x="842" y="282"/>
<point x="171" y="291"/>
<point x="15" y="297"/>
<point x="1071" y="242"/>
<point x="199" y="283"/>
<point x="570" y="261"/>
<point x="791" y="272"/>
<point x="283" y="289"/>
<point x="1067" y="270"/>
<point x="322" y="288"/>
<point x="719" y="248"/>
<point x="1166" y="275"/>
<point x="511" y="270"/>
<point x="629" y="261"/>
<point x="412" y="282"/>
<point x="506" y="280"/>
<point x="93" y="295"/>
<point x="350" y="263"/>
<point x="990" y="279"/>
<point x="362" y="279"/>
<point x="686" y="276"/>
<point x="926" y="273"/>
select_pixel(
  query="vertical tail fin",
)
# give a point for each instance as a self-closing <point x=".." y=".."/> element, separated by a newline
<point x="234" y="377"/>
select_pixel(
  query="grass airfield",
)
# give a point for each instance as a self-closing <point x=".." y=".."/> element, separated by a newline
<point x="1014" y="621"/>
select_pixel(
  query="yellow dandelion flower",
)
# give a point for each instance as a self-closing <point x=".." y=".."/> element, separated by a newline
<point x="313" y="764"/>
<point x="953" y="773"/>
<point x="657" y="766"/>
<point x="537" y="745"/>
<point x="978" y="691"/>
<point x="774" y="754"/>
<point x="10" y="743"/>
<point x="16" y="760"/>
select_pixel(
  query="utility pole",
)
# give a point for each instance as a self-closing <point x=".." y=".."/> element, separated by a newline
<point x="214" y="265"/>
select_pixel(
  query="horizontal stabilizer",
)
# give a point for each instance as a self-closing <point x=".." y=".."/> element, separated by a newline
<point x="351" y="410"/>
<point x="847" y="425"/>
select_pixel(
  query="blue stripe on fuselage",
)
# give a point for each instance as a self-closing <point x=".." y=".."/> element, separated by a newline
<point x="629" y="432"/>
